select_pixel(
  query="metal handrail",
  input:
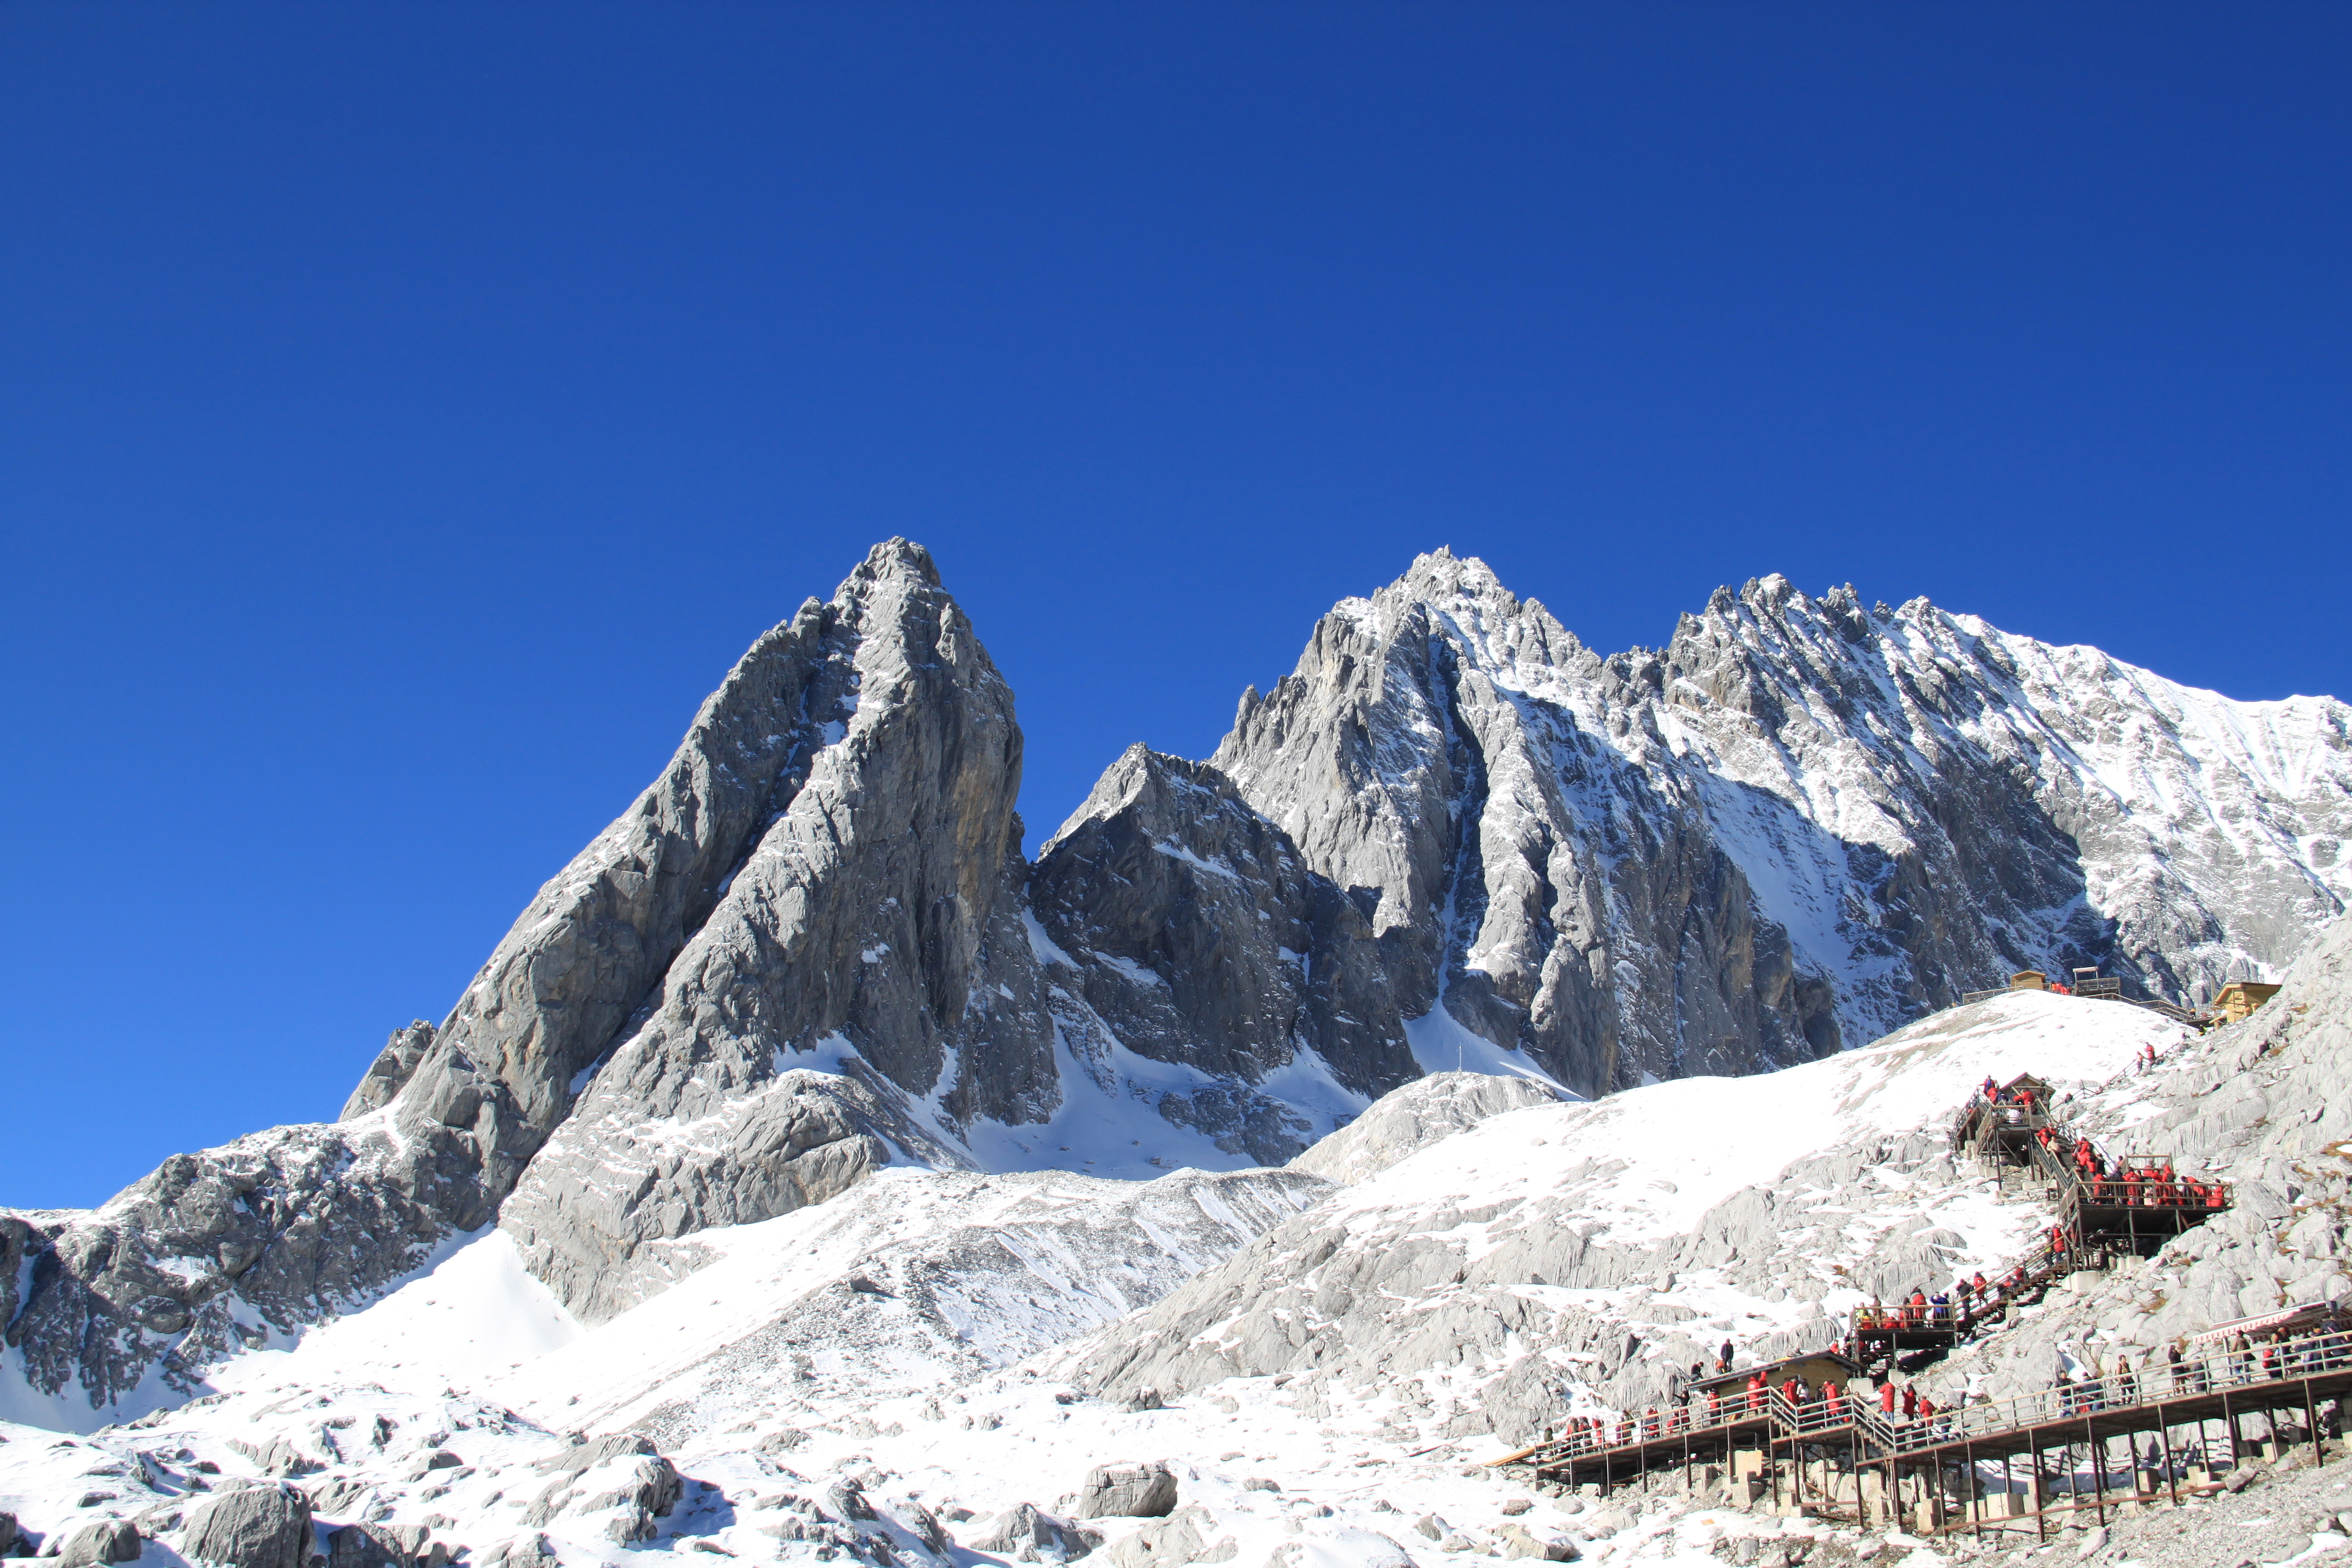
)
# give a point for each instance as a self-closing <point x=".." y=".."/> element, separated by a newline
<point x="2190" y="1377"/>
<point x="1896" y="1434"/>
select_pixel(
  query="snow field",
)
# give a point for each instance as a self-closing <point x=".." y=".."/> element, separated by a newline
<point x="908" y="1335"/>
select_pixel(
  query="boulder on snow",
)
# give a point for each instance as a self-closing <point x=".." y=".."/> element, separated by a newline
<point x="623" y="1471"/>
<point x="631" y="1526"/>
<point x="1180" y="1539"/>
<point x="529" y="1551"/>
<point x="1517" y="1540"/>
<point x="1027" y="1526"/>
<point x="258" y="1527"/>
<point x="919" y="1523"/>
<point x="1141" y="1491"/>
<point x="9" y="1535"/>
<point x="385" y="1546"/>
<point x="102" y="1540"/>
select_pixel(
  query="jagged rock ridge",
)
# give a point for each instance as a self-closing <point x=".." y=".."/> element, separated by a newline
<point x="1797" y="826"/>
<point x="812" y="946"/>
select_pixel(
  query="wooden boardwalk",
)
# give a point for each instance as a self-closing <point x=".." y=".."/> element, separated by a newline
<point x="1833" y="1460"/>
<point x="1837" y="1458"/>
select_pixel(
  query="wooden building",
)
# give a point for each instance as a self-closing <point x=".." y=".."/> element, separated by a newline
<point x="2029" y="980"/>
<point x="2237" y="1000"/>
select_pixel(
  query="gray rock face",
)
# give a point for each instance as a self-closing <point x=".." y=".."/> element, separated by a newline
<point x="290" y="1224"/>
<point x="259" y="1527"/>
<point x="1202" y="939"/>
<point x="851" y="782"/>
<point x="858" y="918"/>
<point x="1139" y="1492"/>
<point x="102" y="1540"/>
<point x="1798" y="827"/>
<point x="391" y="1071"/>
<point x="814" y="941"/>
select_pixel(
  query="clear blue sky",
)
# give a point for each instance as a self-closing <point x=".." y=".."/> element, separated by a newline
<point x="408" y="412"/>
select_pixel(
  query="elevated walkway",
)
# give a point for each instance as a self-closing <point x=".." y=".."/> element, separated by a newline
<point x="2002" y="1465"/>
<point x="1834" y="1454"/>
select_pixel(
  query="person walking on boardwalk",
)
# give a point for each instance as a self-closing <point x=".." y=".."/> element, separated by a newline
<point x="1886" y="1399"/>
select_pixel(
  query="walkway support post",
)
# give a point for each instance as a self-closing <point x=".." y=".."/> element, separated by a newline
<point x="2097" y="1454"/>
<point x="2164" y="1435"/>
<point x="1969" y="1488"/>
<point x="2041" y="1526"/>
<point x="2311" y="1414"/>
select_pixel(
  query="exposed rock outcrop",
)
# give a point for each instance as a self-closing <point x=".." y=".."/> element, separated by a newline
<point x="258" y="1527"/>
<point x="857" y="921"/>
<point x="1137" y="1491"/>
<point x="812" y="948"/>
<point x="1202" y="939"/>
<point x="1797" y="826"/>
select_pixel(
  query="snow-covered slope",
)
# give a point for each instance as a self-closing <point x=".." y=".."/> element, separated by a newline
<point x="810" y="950"/>
<point x="892" y="1373"/>
<point x="1568" y="1257"/>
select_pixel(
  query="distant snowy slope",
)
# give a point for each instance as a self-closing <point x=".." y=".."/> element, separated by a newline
<point x="914" y="1281"/>
<point x="1572" y="1255"/>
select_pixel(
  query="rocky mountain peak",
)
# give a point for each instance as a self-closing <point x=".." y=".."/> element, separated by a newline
<point x="893" y="558"/>
<point x="1453" y="835"/>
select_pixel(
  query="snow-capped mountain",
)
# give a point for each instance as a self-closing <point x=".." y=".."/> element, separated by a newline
<point x="1795" y="828"/>
<point x="812" y="950"/>
<point x="923" y="1370"/>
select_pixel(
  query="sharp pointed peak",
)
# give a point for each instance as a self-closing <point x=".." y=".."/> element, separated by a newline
<point x="895" y="559"/>
<point x="1441" y="574"/>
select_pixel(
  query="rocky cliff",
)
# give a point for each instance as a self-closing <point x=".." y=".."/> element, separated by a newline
<point x="1797" y="825"/>
<point x="811" y="947"/>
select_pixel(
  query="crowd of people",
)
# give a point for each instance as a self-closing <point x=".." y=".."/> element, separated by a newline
<point x="2083" y="1383"/>
<point x="1699" y="1402"/>
<point x="2108" y="1182"/>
